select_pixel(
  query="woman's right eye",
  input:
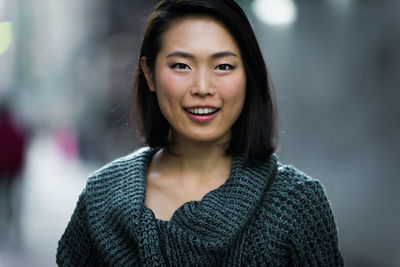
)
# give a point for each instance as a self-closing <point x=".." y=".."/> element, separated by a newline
<point x="180" y="66"/>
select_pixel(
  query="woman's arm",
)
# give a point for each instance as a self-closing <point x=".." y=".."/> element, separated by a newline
<point x="314" y="240"/>
<point x="75" y="247"/>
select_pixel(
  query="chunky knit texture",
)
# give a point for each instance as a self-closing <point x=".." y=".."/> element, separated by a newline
<point x="251" y="220"/>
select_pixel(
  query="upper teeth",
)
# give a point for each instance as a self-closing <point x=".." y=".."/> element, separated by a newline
<point x="201" y="110"/>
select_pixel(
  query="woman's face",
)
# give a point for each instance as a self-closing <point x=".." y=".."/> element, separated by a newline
<point x="199" y="80"/>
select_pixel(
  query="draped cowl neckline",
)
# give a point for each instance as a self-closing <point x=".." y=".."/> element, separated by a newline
<point x="209" y="225"/>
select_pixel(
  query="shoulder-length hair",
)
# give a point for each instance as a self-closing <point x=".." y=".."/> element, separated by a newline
<point x="254" y="132"/>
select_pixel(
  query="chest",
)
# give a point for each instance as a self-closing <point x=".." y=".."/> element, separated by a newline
<point x="164" y="198"/>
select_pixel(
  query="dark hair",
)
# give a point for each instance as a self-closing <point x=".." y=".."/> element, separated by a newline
<point x="254" y="132"/>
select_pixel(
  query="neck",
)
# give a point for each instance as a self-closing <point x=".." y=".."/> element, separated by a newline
<point x="197" y="162"/>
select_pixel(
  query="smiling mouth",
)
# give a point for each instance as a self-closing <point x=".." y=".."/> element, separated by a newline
<point x="202" y="111"/>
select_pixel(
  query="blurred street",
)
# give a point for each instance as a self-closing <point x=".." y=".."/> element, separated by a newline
<point x="47" y="195"/>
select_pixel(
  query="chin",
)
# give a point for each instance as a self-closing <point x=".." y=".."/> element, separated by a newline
<point x="209" y="140"/>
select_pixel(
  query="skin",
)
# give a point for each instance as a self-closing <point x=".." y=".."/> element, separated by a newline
<point x="199" y="64"/>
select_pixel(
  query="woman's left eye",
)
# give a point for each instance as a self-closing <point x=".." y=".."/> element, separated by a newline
<point x="225" y="67"/>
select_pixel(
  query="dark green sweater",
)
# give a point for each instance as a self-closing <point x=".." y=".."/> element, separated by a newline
<point x="265" y="214"/>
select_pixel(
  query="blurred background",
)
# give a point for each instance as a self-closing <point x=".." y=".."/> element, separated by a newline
<point x="66" y="71"/>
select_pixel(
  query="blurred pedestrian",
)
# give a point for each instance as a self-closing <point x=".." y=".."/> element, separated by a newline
<point x="12" y="155"/>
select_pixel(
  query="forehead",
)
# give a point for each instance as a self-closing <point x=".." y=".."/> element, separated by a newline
<point x="198" y="33"/>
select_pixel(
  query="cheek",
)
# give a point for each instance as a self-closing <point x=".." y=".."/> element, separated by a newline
<point x="171" y="80"/>
<point x="168" y="84"/>
<point x="169" y="93"/>
<point x="235" y="89"/>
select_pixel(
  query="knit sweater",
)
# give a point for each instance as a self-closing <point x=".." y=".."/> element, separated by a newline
<point x="265" y="214"/>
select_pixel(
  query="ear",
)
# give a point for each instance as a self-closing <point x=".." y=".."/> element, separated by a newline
<point x="147" y="73"/>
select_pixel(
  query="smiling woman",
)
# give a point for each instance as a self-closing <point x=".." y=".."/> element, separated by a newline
<point x="208" y="190"/>
<point x="200" y="87"/>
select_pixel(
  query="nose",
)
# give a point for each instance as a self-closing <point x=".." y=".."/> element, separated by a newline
<point x="202" y="85"/>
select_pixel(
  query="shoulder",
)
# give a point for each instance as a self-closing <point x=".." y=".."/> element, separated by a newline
<point x="294" y="195"/>
<point x="136" y="157"/>
<point x="120" y="167"/>
<point x="110" y="186"/>
<point x="119" y="174"/>
<point x="290" y="175"/>
<point x="294" y="182"/>
<point x="297" y="202"/>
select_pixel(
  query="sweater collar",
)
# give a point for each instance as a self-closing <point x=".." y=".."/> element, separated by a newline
<point x="222" y="213"/>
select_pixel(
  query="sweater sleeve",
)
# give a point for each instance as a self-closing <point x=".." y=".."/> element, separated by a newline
<point x="75" y="247"/>
<point x="314" y="238"/>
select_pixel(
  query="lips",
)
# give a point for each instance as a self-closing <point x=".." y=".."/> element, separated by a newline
<point x="202" y="110"/>
<point x="202" y="114"/>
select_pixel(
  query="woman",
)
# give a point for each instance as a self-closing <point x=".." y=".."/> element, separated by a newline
<point x="208" y="191"/>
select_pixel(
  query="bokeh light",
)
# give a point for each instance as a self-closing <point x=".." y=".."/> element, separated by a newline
<point x="5" y="35"/>
<point x="275" y="12"/>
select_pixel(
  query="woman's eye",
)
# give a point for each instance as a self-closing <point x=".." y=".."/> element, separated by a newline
<point x="180" y="66"/>
<point x="225" y="67"/>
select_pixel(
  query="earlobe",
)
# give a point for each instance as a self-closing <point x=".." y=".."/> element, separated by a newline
<point x="147" y="73"/>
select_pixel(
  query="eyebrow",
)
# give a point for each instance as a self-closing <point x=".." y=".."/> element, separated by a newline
<point x="214" y="56"/>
